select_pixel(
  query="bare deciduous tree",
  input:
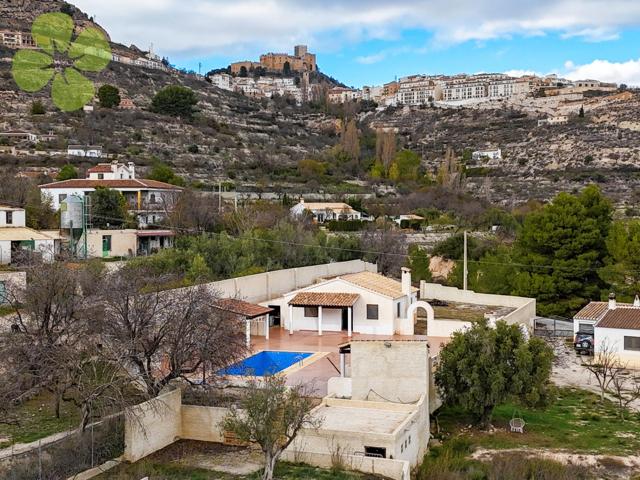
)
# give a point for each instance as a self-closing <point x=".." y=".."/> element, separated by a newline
<point x="624" y="386"/>
<point x="603" y="365"/>
<point x="165" y="335"/>
<point x="271" y="415"/>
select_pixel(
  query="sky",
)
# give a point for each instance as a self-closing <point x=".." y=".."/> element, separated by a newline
<point x="371" y="42"/>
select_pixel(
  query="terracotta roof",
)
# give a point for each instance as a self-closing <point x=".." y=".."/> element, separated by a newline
<point x="377" y="283"/>
<point x="100" y="168"/>
<point x="621" y="317"/>
<point x="595" y="310"/>
<point x="338" y="207"/>
<point x="240" y="307"/>
<point x="155" y="233"/>
<point x="123" y="183"/>
<point x="322" y="299"/>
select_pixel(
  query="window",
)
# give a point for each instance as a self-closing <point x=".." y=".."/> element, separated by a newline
<point x="585" y="327"/>
<point x="62" y="197"/>
<point x="632" y="343"/>
<point x="398" y="310"/>
<point x="152" y="198"/>
<point x="9" y="218"/>
<point x="311" y="312"/>
<point x="372" y="312"/>
<point x="101" y="176"/>
<point x="378" y="452"/>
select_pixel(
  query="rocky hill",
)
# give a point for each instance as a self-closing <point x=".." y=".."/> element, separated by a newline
<point x="538" y="161"/>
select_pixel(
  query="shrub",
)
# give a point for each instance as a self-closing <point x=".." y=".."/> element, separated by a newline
<point x="109" y="96"/>
<point x="345" y="225"/>
<point x="37" y="108"/>
<point x="175" y="100"/>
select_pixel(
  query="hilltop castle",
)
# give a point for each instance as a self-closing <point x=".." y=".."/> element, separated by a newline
<point x="300" y="61"/>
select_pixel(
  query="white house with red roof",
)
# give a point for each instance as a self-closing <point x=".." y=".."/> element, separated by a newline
<point x="149" y="200"/>
<point x="614" y="324"/>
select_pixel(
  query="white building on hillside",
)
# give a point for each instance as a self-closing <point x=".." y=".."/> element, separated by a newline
<point x="487" y="155"/>
<point x="149" y="200"/>
<point x="112" y="171"/>
<point x="326" y="211"/>
<point x="418" y="90"/>
<point x="343" y="95"/>
<point x="91" y="151"/>
<point x="16" y="238"/>
<point x="223" y="81"/>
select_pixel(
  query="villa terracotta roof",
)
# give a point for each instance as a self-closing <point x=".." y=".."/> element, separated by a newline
<point x="100" y="168"/>
<point x="595" y="310"/>
<point x="22" y="234"/>
<point x="123" y="183"/>
<point x="621" y="317"/>
<point x="323" y="299"/>
<point x="240" y="307"/>
<point x="377" y="283"/>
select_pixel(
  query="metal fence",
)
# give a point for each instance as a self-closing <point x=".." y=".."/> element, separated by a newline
<point x="553" y="327"/>
<point x="69" y="455"/>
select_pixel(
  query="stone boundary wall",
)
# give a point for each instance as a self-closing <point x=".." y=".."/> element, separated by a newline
<point x="525" y="308"/>
<point x="393" y="469"/>
<point x="263" y="287"/>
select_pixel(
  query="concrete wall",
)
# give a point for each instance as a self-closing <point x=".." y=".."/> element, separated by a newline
<point x="262" y="287"/>
<point x="203" y="423"/>
<point x="525" y="308"/>
<point x="397" y="373"/>
<point x="18" y="218"/>
<point x="123" y="242"/>
<point x="393" y="469"/>
<point x="47" y="248"/>
<point x="153" y="425"/>
<point x="445" y="328"/>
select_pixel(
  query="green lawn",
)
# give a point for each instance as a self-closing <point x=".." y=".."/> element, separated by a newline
<point x="577" y="421"/>
<point x="159" y="470"/>
<point x="36" y="419"/>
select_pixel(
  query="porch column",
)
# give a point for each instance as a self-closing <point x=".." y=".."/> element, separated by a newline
<point x="267" y="326"/>
<point x="349" y="321"/>
<point x="342" y="365"/>
<point x="290" y="319"/>
<point x="248" y="332"/>
<point x="320" y="320"/>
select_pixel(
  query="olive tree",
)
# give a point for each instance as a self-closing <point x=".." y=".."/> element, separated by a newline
<point x="484" y="366"/>
<point x="271" y="414"/>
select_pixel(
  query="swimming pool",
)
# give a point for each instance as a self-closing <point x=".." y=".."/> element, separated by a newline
<point x="265" y="363"/>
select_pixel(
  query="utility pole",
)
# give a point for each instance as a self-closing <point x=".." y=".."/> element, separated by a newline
<point x="219" y="197"/>
<point x="465" y="272"/>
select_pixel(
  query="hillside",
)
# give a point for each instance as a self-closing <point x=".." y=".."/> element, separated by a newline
<point x="538" y="161"/>
<point x="257" y="144"/>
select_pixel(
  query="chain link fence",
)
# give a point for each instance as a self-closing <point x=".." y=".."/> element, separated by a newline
<point x="68" y="456"/>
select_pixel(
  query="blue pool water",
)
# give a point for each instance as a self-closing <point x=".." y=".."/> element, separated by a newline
<point x="265" y="363"/>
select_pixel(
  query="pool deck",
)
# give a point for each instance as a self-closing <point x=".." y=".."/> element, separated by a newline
<point x="317" y="370"/>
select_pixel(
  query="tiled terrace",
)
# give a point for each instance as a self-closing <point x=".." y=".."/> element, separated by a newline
<point x="317" y="374"/>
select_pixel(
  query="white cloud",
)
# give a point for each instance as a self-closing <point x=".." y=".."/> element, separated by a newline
<point x="371" y="59"/>
<point x="246" y="27"/>
<point x="618" y="72"/>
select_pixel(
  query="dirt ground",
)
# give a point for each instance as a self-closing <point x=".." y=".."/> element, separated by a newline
<point x="568" y="371"/>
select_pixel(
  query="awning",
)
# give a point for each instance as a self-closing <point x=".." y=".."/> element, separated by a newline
<point x="320" y="299"/>
<point x="155" y="233"/>
<point x="240" y="307"/>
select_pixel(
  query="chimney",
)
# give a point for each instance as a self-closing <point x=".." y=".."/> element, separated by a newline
<point x="612" y="301"/>
<point x="636" y="301"/>
<point x="132" y="169"/>
<point x="406" y="281"/>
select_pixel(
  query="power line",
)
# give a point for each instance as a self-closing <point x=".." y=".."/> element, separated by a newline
<point x="354" y="250"/>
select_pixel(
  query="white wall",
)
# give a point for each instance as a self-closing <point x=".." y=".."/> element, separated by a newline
<point x="384" y="325"/>
<point x="525" y="308"/>
<point x="445" y="328"/>
<point x="614" y="338"/>
<point x="18" y="218"/>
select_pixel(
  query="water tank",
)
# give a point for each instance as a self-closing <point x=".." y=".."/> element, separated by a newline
<point x="71" y="212"/>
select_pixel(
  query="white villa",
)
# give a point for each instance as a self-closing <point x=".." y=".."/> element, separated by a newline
<point x="487" y="155"/>
<point x="16" y="237"/>
<point x="91" y="151"/>
<point x="364" y="302"/>
<point x="326" y="211"/>
<point x="112" y="171"/>
<point x="614" y="324"/>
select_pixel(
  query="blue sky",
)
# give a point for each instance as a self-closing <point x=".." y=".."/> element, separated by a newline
<point x="368" y="42"/>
